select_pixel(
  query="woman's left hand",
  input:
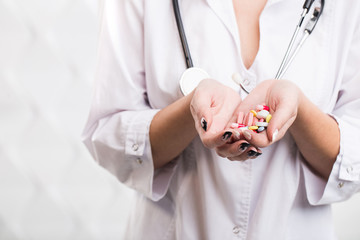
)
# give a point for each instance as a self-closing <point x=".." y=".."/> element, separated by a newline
<point x="283" y="98"/>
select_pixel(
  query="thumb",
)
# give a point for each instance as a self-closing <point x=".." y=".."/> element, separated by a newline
<point x="200" y="110"/>
<point x="280" y="121"/>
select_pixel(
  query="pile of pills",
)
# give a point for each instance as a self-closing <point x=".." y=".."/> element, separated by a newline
<point x="255" y="120"/>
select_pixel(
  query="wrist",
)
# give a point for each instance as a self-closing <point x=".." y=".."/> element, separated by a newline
<point x="188" y="100"/>
<point x="301" y="110"/>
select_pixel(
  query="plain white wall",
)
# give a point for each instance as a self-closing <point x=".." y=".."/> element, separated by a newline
<point x="50" y="188"/>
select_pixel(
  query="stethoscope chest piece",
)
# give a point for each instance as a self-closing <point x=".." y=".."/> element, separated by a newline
<point x="192" y="75"/>
<point x="191" y="78"/>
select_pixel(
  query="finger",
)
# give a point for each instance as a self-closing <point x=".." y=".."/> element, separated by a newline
<point x="212" y="140"/>
<point x="200" y="110"/>
<point x="251" y="153"/>
<point x="279" y="133"/>
<point x="259" y="140"/>
<point x="267" y="137"/>
<point x="223" y="115"/>
<point x="281" y="120"/>
<point x="254" y="153"/>
<point x="232" y="150"/>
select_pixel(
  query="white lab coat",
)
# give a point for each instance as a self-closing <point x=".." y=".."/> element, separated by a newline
<point x="200" y="195"/>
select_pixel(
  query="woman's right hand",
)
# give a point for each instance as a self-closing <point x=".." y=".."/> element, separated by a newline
<point x="212" y="106"/>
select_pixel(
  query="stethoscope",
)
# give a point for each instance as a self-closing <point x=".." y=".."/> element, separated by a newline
<point x="193" y="75"/>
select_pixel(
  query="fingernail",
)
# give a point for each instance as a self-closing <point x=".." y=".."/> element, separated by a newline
<point x="226" y="136"/>
<point x="244" y="146"/>
<point x="274" y="136"/>
<point x="236" y="135"/>
<point x="251" y="153"/>
<point x="258" y="154"/>
<point x="247" y="134"/>
<point x="203" y="124"/>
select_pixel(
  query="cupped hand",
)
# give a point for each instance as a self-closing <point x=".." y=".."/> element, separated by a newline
<point x="283" y="98"/>
<point x="212" y="107"/>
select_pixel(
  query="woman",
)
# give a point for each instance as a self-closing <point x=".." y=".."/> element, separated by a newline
<point x="194" y="180"/>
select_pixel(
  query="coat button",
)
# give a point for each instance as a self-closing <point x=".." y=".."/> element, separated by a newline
<point x="135" y="147"/>
<point x="349" y="169"/>
<point x="246" y="82"/>
<point x="139" y="160"/>
<point x="236" y="229"/>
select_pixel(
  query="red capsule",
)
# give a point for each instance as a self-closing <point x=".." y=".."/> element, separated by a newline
<point x="237" y="125"/>
<point x="266" y="108"/>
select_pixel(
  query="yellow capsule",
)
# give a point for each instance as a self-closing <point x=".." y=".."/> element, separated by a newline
<point x="253" y="127"/>
<point x="253" y="112"/>
<point x="268" y="118"/>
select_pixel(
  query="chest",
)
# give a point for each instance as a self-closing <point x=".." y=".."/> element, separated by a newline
<point x="247" y="14"/>
<point x="213" y="37"/>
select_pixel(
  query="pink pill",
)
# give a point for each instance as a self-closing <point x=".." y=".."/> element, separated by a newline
<point x="261" y="120"/>
<point x="249" y="119"/>
<point x="240" y="118"/>
<point x="237" y="125"/>
<point x="255" y="120"/>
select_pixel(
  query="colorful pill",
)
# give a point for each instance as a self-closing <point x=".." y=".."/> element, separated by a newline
<point x="262" y="114"/>
<point x="255" y="120"/>
<point x="237" y="125"/>
<point x="249" y="119"/>
<point x="259" y="108"/>
<point x="262" y="124"/>
<point x="254" y="112"/>
<point x="243" y="128"/>
<point x="268" y="118"/>
<point x="240" y="118"/>
<point x="266" y="108"/>
<point x="253" y="127"/>
<point x="261" y="120"/>
<point x="260" y="129"/>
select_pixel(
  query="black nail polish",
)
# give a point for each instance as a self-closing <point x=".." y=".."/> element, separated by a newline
<point x="244" y="146"/>
<point x="226" y="136"/>
<point x="251" y="153"/>
<point x="203" y="124"/>
<point x="258" y="154"/>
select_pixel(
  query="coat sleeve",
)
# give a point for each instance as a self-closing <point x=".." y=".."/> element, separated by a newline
<point x="344" y="180"/>
<point x="117" y="130"/>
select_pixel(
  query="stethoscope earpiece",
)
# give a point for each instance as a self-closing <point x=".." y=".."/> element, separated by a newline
<point x="236" y="77"/>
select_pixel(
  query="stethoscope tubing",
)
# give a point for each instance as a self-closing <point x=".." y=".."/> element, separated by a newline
<point x="180" y="27"/>
<point x="286" y="62"/>
<point x="290" y="53"/>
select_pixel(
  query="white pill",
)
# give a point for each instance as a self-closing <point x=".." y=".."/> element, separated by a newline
<point x="262" y="114"/>
<point x="260" y="129"/>
<point x="262" y="124"/>
<point x="243" y="128"/>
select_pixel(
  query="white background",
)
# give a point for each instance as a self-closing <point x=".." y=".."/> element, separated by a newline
<point x="50" y="188"/>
